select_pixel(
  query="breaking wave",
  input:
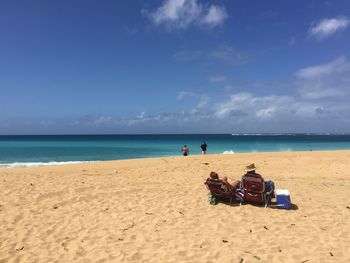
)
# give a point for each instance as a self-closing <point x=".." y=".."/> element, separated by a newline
<point x="228" y="152"/>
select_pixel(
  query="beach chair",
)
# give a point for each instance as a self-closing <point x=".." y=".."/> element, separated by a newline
<point x="253" y="186"/>
<point x="219" y="189"/>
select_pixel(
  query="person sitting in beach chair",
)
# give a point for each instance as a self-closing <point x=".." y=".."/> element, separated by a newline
<point x="255" y="188"/>
<point x="222" y="189"/>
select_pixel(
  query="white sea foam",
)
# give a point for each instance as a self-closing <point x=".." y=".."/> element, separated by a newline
<point x="289" y="134"/>
<point x="34" y="164"/>
<point x="228" y="152"/>
<point x="264" y="134"/>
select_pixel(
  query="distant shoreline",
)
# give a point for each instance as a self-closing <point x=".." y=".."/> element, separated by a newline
<point x="180" y="134"/>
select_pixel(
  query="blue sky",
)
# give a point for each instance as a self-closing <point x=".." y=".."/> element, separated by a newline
<point x="174" y="66"/>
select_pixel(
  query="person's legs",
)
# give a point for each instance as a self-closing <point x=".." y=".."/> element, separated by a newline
<point x="232" y="186"/>
<point x="235" y="184"/>
<point x="269" y="186"/>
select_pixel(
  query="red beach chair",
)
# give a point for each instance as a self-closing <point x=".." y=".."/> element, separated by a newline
<point x="219" y="189"/>
<point x="253" y="186"/>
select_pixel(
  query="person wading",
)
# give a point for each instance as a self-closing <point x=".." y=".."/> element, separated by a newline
<point x="204" y="148"/>
<point x="185" y="151"/>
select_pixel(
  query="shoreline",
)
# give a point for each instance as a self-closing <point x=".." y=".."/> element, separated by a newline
<point x="58" y="163"/>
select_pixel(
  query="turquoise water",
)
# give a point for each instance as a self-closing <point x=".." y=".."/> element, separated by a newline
<point x="40" y="150"/>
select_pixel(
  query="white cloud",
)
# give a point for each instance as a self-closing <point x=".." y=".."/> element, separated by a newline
<point x="102" y="120"/>
<point x="227" y="54"/>
<point x="246" y="105"/>
<point x="141" y="115"/>
<point x="183" y="94"/>
<point x="337" y="66"/>
<point x="180" y="14"/>
<point x="215" y="16"/>
<point x="327" y="80"/>
<point x="202" y="105"/>
<point x="217" y="78"/>
<point x="327" y="27"/>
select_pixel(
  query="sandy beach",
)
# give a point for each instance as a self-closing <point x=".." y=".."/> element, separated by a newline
<point x="157" y="210"/>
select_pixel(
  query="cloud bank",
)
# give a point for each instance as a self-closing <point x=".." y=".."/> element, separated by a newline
<point x="317" y="102"/>
<point x="327" y="80"/>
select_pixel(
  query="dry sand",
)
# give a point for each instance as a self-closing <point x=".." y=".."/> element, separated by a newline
<point x="157" y="210"/>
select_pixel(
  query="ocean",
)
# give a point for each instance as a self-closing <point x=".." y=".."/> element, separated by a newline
<point x="37" y="150"/>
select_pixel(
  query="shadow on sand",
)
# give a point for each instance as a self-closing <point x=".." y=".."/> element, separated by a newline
<point x="272" y="205"/>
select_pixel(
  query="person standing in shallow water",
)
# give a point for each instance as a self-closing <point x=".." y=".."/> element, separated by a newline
<point x="204" y="148"/>
<point x="185" y="151"/>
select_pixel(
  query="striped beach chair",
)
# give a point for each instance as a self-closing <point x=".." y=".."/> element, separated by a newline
<point x="255" y="190"/>
<point x="219" y="189"/>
